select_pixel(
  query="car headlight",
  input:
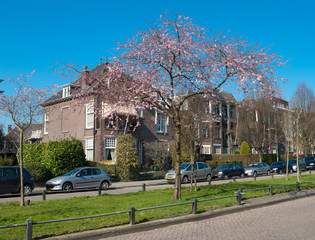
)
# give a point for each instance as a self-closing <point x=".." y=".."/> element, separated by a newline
<point x="57" y="181"/>
<point x="220" y="173"/>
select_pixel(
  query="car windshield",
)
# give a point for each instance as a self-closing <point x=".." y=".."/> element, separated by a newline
<point x="184" y="166"/>
<point x="292" y="161"/>
<point x="252" y="165"/>
<point x="72" y="172"/>
<point x="223" y="166"/>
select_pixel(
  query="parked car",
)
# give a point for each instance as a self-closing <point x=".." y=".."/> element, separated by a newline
<point x="80" y="178"/>
<point x="302" y="164"/>
<point x="281" y="167"/>
<point x="10" y="180"/>
<point x="310" y="162"/>
<point x="203" y="172"/>
<point x="228" y="170"/>
<point x="253" y="169"/>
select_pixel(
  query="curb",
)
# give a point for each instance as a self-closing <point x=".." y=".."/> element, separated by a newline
<point x="147" y="226"/>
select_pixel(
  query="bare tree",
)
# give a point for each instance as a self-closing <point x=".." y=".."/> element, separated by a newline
<point x="22" y="108"/>
<point x="255" y="123"/>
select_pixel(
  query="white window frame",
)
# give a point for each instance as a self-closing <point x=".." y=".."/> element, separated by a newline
<point x="89" y="115"/>
<point x="214" y="147"/>
<point x="46" y="119"/>
<point x="89" y="146"/>
<point x="158" y="119"/>
<point x="204" y="147"/>
<point x="66" y="92"/>
<point x="110" y="143"/>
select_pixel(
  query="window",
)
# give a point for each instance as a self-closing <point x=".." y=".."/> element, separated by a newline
<point x="139" y="112"/>
<point x="216" y="132"/>
<point x="66" y="92"/>
<point x="205" y="132"/>
<point x="89" y="149"/>
<point x="160" y="123"/>
<point x="89" y="116"/>
<point x="46" y="122"/>
<point x="110" y="146"/>
<point x="217" y="148"/>
<point x="206" y="149"/>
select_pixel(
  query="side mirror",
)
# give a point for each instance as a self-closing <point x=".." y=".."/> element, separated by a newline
<point x="78" y="175"/>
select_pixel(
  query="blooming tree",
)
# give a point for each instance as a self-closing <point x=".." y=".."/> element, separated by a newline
<point x="175" y="60"/>
<point x="22" y="108"/>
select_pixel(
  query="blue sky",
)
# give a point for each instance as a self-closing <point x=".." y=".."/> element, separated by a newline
<point x="37" y="34"/>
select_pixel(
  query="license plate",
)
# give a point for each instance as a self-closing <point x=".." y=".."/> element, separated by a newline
<point x="170" y="178"/>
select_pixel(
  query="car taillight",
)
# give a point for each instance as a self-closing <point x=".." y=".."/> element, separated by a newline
<point x="108" y="175"/>
<point x="31" y="177"/>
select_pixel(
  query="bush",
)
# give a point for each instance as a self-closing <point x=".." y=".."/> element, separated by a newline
<point x="127" y="158"/>
<point x="245" y="149"/>
<point x="59" y="157"/>
<point x="38" y="171"/>
<point x="236" y="152"/>
<point x="8" y="160"/>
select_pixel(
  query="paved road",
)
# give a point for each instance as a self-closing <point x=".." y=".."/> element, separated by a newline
<point x="125" y="187"/>
<point x="290" y="220"/>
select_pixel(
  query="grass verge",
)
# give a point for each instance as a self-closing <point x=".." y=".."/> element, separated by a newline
<point x="12" y="213"/>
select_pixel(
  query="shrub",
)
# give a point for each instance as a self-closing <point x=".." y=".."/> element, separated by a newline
<point x="127" y="158"/>
<point x="38" y="171"/>
<point x="245" y="149"/>
<point x="8" y="160"/>
<point x="236" y="152"/>
<point x="59" y="157"/>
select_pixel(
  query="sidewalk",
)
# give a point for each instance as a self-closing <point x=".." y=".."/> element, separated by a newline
<point x="140" y="227"/>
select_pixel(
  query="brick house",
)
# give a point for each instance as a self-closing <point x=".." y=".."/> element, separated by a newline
<point x="63" y="118"/>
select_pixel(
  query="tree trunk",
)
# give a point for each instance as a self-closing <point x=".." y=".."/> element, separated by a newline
<point x="288" y="152"/>
<point x="21" y="168"/>
<point x="177" y="187"/>
<point x="260" y="155"/>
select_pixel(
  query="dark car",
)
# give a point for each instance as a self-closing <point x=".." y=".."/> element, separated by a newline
<point x="302" y="164"/>
<point x="310" y="163"/>
<point x="228" y="170"/>
<point x="10" y="180"/>
<point x="281" y="167"/>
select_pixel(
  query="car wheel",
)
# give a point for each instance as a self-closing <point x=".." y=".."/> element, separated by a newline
<point x="255" y="174"/>
<point x="280" y="171"/>
<point x="291" y="170"/>
<point x="185" y="179"/>
<point x="208" y="178"/>
<point x="27" y="189"/>
<point x="67" y="186"/>
<point x="243" y="175"/>
<point x="226" y="176"/>
<point x="268" y="172"/>
<point x="104" y="185"/>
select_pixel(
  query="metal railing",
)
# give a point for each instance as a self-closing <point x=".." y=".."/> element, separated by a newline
<point x="132" y="211"/>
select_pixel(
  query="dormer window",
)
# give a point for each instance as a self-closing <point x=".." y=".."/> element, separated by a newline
<point x="66" y="91"/>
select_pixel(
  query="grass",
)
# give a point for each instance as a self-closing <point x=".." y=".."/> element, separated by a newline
<point x="12" y="213"/>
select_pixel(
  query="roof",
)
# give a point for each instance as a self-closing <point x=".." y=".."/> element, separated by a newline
<point x="98" y="71"/>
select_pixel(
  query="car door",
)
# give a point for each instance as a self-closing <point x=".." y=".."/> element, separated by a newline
<point x="97" y="177"/>
<point x="200" y="171"/>
<point x="10" y="180"/>
<point x="83" y="179"/>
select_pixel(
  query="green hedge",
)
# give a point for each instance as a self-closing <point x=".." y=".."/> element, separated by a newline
<point x="8" y="160"/>
<point x="57" y="157"/>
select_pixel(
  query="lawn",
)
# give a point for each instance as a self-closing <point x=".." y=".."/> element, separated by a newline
<point x="12" y="213"/>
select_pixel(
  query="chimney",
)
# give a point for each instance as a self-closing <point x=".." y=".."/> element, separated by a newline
<point x="85" y="78"/>
<point x="9" y="128"/>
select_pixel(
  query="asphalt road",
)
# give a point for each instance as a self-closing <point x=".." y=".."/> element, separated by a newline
<point x="123" y="187"/>
<point x="288" y="221"/>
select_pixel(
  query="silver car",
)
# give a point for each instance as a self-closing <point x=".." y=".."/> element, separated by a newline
<point x="80" y="178"/>
<point x="254" y="169"/>
<point x="203" y="172"/>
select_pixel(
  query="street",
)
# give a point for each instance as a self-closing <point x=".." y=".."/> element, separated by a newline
<point x="289" y="220"/>
<point x="126" y="187"/>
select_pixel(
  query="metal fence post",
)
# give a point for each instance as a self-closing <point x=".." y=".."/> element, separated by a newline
<point x="254" y="177"/>
<point x="209" y="182"/>
<point x="99" y="191"/>
<point x="298" y="186"/>
<point x="270" y="190"/>
<point x="194" y="206"/>
<point x="310" y="171"/>
<point x="132" y="216"/>
<point x="239" y="197"/>
<point x="143" y="187"/>
<point x="29" y="229"/>
<point x="234" y="179"/>
<point x="44" y="195"/>
<point x="300" y="173"/>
